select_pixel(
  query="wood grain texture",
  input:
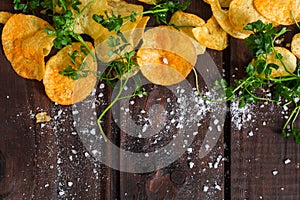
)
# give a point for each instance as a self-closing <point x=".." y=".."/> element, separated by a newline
<point x="52" y="161"/>
<point x="263" y="164"/>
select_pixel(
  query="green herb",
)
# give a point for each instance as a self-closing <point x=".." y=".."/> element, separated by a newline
<point x="258" y="80"/>
<point x="26" y="6"/>
<point x="78" y="71"/>
<point x="160" y="11"/>
<point x="118" y="70"/>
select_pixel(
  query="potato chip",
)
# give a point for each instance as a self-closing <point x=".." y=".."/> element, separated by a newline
<point x="138" y="32"/>
<point x="150" y="2"/>
<point x="163" y="61"/>
<point x="85" y="23"/>
<point x="225" y="3"/>
<point x="242" y="12"/>
<point x="163" y="67"/>
<point x="4" y="16"/>
<point x="25" y="44"/>
<point x="185" y="23"/>
<point x="211" y="35"/>
<point x="223" y="19"/>
<point x="62" y="89"/>
<point x="289" y="60"/>
<point x="118" y="7"/>
<point x="279" y="11"/>
<point x="295" y="45"/>
<point x="163" y="38"/>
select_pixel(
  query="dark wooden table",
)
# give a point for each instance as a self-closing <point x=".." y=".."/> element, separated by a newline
<point x="50" y="160"/>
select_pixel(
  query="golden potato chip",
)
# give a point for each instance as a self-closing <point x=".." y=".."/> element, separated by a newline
<point x="295" y="45"/>
<point x="289" y="60"/>
<point x="138" y="32"/>
<point x="225" y="3"/>
<point x="223" y="19"/>
<point x="242" y="12"/>
<point x="85" y="24"/>
<point x="65" y="90"/>
<point x="25" y="44"/>
<point x="279" y="11"/>
<point x="150" y="2"/>
<point x="163" y="67"/>
<point x="163" y="61"/>
<point x="4" y="16"/>
<point x="185" y="23"/>
<point x="211" y="35"/>
<point x="118" y="7"/>
<point x="163" y="38"/>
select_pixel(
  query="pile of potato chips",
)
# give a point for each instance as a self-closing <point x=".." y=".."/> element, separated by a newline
<point x="166" y="56"/>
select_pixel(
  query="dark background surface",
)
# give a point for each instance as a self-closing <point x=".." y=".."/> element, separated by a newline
<point x="49" y="161"/>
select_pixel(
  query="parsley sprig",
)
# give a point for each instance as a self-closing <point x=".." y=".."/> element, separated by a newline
<point x="286" y="89"/>
<point x="118" y="70"/>
<point x="160" y="11"/>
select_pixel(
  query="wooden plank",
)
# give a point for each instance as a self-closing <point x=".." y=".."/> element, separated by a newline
<point x="48" y="160"/>
<point x="264" y="165"/>
<point x="190" y="176"/>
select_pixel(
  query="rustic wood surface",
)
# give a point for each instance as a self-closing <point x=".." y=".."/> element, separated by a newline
<point x="50" y="161"/>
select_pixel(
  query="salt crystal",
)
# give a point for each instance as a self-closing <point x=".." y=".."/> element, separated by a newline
<point x="74" y="151"/>
<point x="93" y="131"/>
<point x="250" y="133"/>
<point x="191" y="164"/>
<point x="287" y="161"/>
<point x="218" y="187"/>
<point x="70" y="184"/>
<point x="102" y="86"/>
<point x="216" y="121"/>
<point x="61" y="193"/>
<point x="75" y="112"/>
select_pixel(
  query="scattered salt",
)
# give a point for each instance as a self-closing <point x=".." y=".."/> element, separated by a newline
<point x="274" y="172"/>
<point x="287" y="161"/>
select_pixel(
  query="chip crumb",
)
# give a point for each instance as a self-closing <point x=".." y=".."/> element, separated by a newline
<point x="42" y="117"/>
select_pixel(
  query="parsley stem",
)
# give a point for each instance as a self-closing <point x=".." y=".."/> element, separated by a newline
<point x="259" y="98"/>
<point x="200" y="93"/>
<point x="116" y="99"/>
<point x="294" y="114"/>
<point x="153" y="11"/>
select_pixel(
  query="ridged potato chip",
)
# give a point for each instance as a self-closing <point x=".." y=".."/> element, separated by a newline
<point x="186" y="22"/>
<point x="279" y="11"/>
<point x="289" y="60"/>
<point x="223" y="19"/>
<point x="243" y="12"/>
<point x="25" y="44"/>
<point x="163" y="61"/>
<point x="4" y="16"/>
<point x="211" y="35"/>
<point x="295" y="45"/>
<point x="63" y="89"/>
<point x="85" y="24"/>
